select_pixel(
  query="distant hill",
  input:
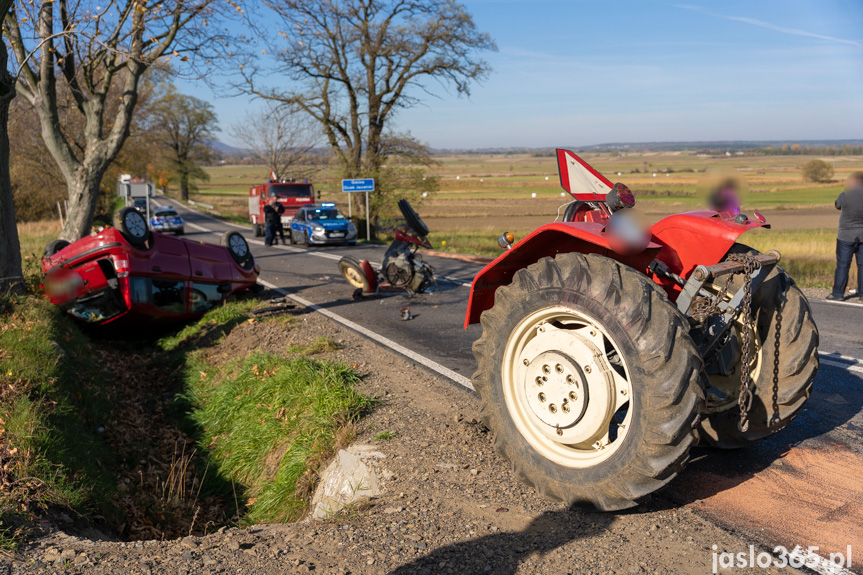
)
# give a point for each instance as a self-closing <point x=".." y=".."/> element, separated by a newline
<point x="228" y="150"/>
<point x="661" y="146"/>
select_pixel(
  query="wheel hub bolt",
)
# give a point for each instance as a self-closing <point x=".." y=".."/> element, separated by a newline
<point x="570" y="380"/>
<point x="558" y="368"/>
<point x="552" y="408"/>
<point x="587" y="369"/>
<point x="572" y="396"/>
<point x="546" y="369"/>
<point x="559" y="431"/>
<point x="593" y="332"/>
<point x="565" y="407"/>
<point x="527" y="362"/>
<point x="542" y="397"/>
<point x="539" y="381"/>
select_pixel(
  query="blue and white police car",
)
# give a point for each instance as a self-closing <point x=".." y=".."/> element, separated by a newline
<point x="317" y="224"/>
<point x="167" y="220"/>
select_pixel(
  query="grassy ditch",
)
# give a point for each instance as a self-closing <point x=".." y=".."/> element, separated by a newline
<point x="151" y="438"/>
<point x="266" y="422"/>
<point x="52" y="408"/>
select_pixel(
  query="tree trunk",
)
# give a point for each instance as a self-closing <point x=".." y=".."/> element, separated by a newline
<point x="11" y="277"/>
<point x="184" y="187"/>
<point x="83" y="197"/>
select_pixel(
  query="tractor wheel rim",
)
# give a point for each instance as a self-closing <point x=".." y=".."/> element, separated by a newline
<point x="238" y="246"/>
<point x="563" y="392"/>
<point x="136" y="225"/>
<point x="354" y="278"/>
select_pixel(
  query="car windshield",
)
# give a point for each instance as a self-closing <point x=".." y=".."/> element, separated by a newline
<point x="291" y="190"/>
<point x="326" y="214"/>
<point x="167" y="214"/>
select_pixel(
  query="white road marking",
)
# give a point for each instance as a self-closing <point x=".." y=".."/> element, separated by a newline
<point x="431" y="364"/>
<point x="841" y="302"/>
<point x="199" y="228"/>
<point x="855" y="368"/>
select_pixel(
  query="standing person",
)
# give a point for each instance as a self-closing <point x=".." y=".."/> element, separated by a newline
<point x="849" y="239"/>
<point x="272" y="218"/>
<point x="280" y="228"/>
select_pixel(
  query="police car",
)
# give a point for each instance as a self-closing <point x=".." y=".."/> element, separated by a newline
<point x="317" y="224"/>
<point x="167" y="220"/>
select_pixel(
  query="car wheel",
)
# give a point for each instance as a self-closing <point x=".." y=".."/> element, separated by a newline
<point x="133" y="226"/>
<point x="238" y="247"/>
<point x="292" y="238"/>
<point x="257" y="230"/>
<point x="307" y="241"/>
<point x="54" y="247"/>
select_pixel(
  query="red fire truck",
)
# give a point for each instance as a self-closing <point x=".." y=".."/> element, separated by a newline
<point x="292" y="195"/>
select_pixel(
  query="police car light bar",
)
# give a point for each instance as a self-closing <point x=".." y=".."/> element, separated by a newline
<point x="330" y="205"/>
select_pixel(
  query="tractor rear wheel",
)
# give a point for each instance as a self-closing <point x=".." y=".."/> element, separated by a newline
<point x="589" y="381"/>
<point x="784" y="344"/>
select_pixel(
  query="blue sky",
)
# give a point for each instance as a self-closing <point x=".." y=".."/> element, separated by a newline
<point x="582" y="72"/>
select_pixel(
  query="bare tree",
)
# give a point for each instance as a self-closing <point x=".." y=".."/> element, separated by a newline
<point x="91" y="48"/>
<point x="355" y="63"/>
<point x="282" y="137"/>
<point x="11" y="277"/>
<point x="184" y="125"/>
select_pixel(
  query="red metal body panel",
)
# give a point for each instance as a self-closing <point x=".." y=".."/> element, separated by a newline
<point x="695" y="238"/>
<point x="548" y="240"/>
<point x="82" y="266"/>
<point x="412" y="239"/>
<point x="681" y="241"/>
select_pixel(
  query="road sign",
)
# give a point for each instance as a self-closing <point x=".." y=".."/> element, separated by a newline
<point x="360" y="185"/>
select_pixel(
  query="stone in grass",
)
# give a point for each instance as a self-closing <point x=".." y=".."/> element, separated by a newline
<point x="347" y="479"/>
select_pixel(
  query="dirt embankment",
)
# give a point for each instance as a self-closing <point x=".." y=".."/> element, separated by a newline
<point x="449" y="504"/>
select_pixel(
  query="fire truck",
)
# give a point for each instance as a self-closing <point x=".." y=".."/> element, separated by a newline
<point x="292" y="195"/>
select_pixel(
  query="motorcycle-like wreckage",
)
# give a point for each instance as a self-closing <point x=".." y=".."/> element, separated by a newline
<point x="403" y="269"/>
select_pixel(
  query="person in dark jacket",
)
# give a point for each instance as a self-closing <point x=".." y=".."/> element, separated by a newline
<point x="273" y="218"/>
<point x="849" y="239"/>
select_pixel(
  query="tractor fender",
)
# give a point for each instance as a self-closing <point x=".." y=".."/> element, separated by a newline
<point x="548" y="240"/>
<point x="697" y="238"/>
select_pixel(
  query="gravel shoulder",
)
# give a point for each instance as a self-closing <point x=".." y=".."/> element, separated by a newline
<point x="449" y="504"/>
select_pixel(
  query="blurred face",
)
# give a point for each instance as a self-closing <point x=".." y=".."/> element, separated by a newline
<point x="854" y="183"/>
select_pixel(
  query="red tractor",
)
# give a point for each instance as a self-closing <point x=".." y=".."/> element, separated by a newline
<point x="607" y="350"/>
<point x="292" y="195"/>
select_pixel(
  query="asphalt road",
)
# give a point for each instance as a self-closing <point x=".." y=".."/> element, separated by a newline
<point x="800" y="487"/>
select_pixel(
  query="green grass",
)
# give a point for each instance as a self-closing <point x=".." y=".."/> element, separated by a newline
<point x="323" y="344"/>
<point x="220" y="319"/>
<point x="269" y="423"/>
<point x="51" y="404"/>
<point x="386" y="435"/>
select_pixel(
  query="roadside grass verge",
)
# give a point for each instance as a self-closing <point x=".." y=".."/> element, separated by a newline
<point x="269" y="423"/>
<point x="52" y="403"/>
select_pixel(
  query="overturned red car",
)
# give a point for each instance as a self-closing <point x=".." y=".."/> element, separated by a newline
<point x="128" y="274"/>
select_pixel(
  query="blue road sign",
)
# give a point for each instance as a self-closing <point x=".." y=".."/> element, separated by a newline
<point x="363" y="185"/>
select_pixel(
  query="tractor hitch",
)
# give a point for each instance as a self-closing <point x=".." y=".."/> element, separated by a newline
<point x="713" y="310"/>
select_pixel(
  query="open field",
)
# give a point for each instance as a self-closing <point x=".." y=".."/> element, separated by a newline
<point x="483" y="195"/>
